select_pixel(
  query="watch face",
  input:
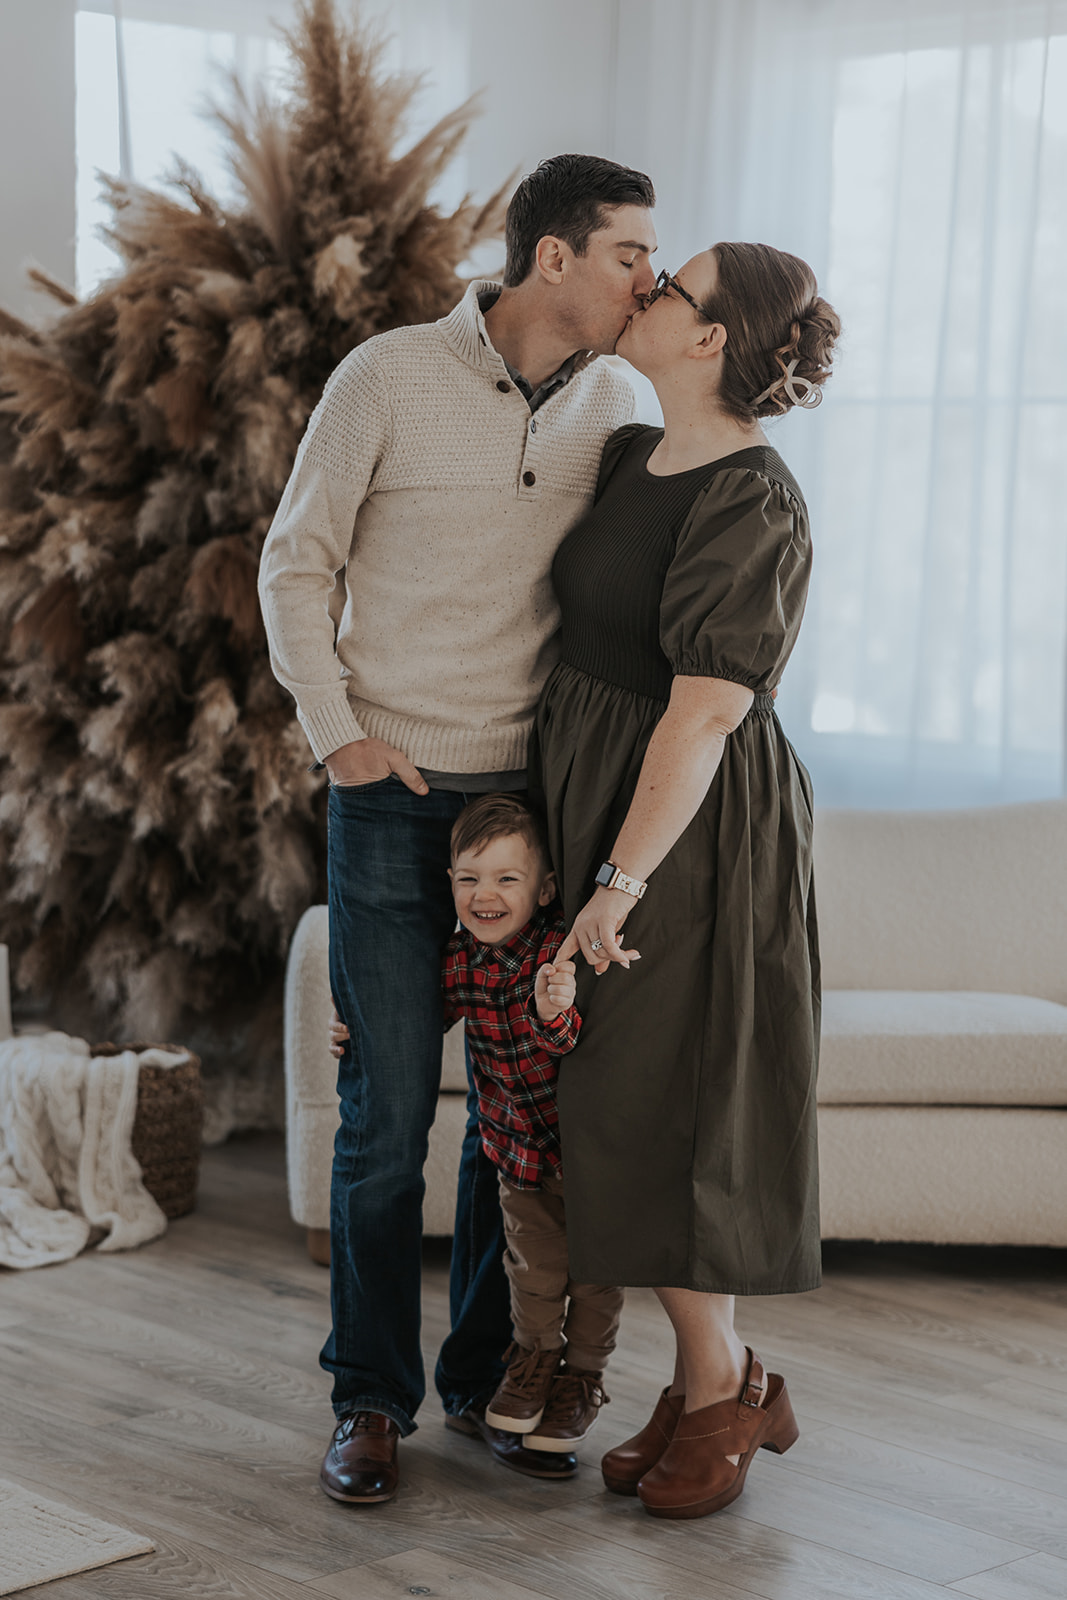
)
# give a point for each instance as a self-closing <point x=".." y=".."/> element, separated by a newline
<point x="605" y="875"/>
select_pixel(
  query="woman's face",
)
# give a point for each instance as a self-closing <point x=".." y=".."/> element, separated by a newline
<point x="666" y="331"/>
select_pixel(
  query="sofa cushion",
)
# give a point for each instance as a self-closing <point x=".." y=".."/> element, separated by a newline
<point x="454" y="1062"/>
<point x="971" y="899"/>
<point x="908" y="1047"/>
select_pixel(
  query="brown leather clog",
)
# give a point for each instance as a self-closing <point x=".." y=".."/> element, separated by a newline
<point x="624" y="1467"/>
<point x="695" y="1476"/>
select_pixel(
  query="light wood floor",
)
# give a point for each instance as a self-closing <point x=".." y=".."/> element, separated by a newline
<point x="176" y="1391"/>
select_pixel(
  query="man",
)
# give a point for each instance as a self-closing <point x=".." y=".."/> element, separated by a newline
<point x="441" y="469"/>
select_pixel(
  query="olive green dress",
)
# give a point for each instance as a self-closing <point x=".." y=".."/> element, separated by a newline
<point x="687" y="1110"/>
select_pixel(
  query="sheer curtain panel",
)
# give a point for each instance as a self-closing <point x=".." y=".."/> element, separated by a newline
<point x="916" y="155"/>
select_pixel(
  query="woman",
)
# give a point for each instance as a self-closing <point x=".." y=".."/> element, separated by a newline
<point x="688" y="1110"/>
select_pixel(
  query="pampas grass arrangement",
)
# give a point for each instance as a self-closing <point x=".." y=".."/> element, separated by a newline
<point x="159" y="833"/>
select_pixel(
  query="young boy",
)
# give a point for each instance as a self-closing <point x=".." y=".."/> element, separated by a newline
<point x="500" y="976"/>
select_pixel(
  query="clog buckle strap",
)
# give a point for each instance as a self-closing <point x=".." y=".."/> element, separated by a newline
<point x="752" y="1388"/>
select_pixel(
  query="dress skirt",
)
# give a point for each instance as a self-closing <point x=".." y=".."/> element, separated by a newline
<point x="687" y="1110"/>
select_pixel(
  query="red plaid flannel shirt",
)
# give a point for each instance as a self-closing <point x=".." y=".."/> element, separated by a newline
<point x="514" y="1054"/>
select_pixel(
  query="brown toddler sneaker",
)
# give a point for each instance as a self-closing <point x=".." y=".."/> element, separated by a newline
<point x="520" y="1399"/>
<point x="574" y="1401"/>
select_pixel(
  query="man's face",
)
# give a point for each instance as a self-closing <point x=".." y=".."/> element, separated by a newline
<point x="604" y="287"/>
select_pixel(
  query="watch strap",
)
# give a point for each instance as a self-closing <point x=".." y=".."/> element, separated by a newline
<point x="612" y="877"/>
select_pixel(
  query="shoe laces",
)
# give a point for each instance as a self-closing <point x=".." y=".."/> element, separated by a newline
<point x="572" y="1389"/>
<point x="526" y="1373"/>
<point x="352" y="1421"/>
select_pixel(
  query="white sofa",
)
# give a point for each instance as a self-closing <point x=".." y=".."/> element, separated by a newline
<point x="943" y="1077"/>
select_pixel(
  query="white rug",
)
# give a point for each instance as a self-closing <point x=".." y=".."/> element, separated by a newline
<point x="41" y="1540"/>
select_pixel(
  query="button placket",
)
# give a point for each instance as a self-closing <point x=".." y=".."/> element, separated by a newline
<point x="530" y="467"/>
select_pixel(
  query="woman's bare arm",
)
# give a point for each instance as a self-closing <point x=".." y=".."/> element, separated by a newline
<point x="680" y="762"/>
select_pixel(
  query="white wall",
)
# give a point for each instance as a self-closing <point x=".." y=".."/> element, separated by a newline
<point x="549" y="91"/>
<point x="36" y="147"/>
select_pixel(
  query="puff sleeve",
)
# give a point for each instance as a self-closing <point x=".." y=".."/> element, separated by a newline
<point x="734" y="593"/>
<point x="615" y="447"/>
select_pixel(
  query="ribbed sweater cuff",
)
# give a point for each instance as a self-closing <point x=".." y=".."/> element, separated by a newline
<point x="330" y="726"/>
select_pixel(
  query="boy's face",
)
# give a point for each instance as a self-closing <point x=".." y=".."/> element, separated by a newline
<point x="498" y="888"/>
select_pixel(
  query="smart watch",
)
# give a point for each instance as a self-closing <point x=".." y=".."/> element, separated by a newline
<point x="612" y="877"/>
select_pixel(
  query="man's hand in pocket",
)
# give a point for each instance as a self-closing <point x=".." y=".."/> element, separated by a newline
<point x="372" y="761"/>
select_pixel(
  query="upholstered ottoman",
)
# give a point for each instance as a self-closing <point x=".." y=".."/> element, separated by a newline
<point x="311" y="1095"/>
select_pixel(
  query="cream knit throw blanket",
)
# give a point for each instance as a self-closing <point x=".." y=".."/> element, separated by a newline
<point x="66" y="1166"/>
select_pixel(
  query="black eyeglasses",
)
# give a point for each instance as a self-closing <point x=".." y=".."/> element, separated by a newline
<point x="665" y="282"/>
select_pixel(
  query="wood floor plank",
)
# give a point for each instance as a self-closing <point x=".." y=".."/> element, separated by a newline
<point x="916" y="1542"/>
<point x="559" y="1563"/>
<point x="1024" y="1406"/>
<point x="177" y="1356"/>
<point x="1036" y="1578"/>
<point x="877" y="1408"/>
<point x="960" y="1495"/>
<point x="423" y="1572"/>
<point x="756" y="1560"/>
<point x="926" y="1356"/>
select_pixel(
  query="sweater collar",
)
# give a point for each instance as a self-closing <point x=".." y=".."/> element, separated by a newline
<point x="465" y="331"/>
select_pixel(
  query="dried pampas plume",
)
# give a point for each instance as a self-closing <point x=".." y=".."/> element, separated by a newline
<point x="159" y="834"/>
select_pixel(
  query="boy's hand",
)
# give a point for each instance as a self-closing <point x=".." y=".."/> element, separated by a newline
<point x="555" y="989"/>
<point x="338" y="1035"/>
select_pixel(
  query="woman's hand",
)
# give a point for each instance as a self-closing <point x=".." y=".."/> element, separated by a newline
<point x="338" y="1035"/>
<point x="598" y="924"/>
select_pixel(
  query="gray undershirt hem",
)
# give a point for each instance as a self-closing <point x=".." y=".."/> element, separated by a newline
<point x="476" y="782"/>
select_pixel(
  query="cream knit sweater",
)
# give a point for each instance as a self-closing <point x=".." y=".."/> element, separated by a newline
<point x="424" y="475"/>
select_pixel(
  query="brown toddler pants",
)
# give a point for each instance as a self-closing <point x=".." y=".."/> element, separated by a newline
<point x="548" y="1310"/>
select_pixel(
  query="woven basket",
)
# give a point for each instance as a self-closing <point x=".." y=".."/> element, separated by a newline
<point x="167" y="1126"/>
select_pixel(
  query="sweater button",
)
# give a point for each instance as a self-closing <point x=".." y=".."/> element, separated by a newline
<point x="505" y="388"/>
<point x="529" y="479"/>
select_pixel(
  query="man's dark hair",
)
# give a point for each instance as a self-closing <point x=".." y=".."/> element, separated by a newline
<point x="567" y="196"/>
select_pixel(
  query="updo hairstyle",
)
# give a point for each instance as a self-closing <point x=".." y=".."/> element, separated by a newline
<point x="770" y="306"/>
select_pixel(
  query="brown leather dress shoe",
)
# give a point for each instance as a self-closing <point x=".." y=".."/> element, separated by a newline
<point x="360" y="1467"/>
<point x="509" y="1450"/>
<point x="695" y="1475"/>
<point x="625" y="1466"/>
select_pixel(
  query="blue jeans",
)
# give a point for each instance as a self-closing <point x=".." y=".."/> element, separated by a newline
<point x="391" y="914"/>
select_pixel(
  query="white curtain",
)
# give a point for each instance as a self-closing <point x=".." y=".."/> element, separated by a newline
<point x="915" y="152"/>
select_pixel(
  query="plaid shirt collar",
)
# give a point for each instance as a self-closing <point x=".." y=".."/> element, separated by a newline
<point x="514" y="953"/>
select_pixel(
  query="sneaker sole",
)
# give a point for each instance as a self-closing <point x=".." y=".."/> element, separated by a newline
<point x="500" y="1419"/>
<point x="553" y="1443"/>
<point x="528" y="1469"/>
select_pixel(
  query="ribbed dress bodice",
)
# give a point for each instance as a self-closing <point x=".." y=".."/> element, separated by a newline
<point x="609" y="571"/>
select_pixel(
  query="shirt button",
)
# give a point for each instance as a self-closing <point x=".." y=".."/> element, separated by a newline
<point x="505" y="388"/>
<point x="529" y="479"/>
<point x="533" y="427"/>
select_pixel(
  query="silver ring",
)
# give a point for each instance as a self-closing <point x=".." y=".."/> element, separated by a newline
<point x="597" y="944"/>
